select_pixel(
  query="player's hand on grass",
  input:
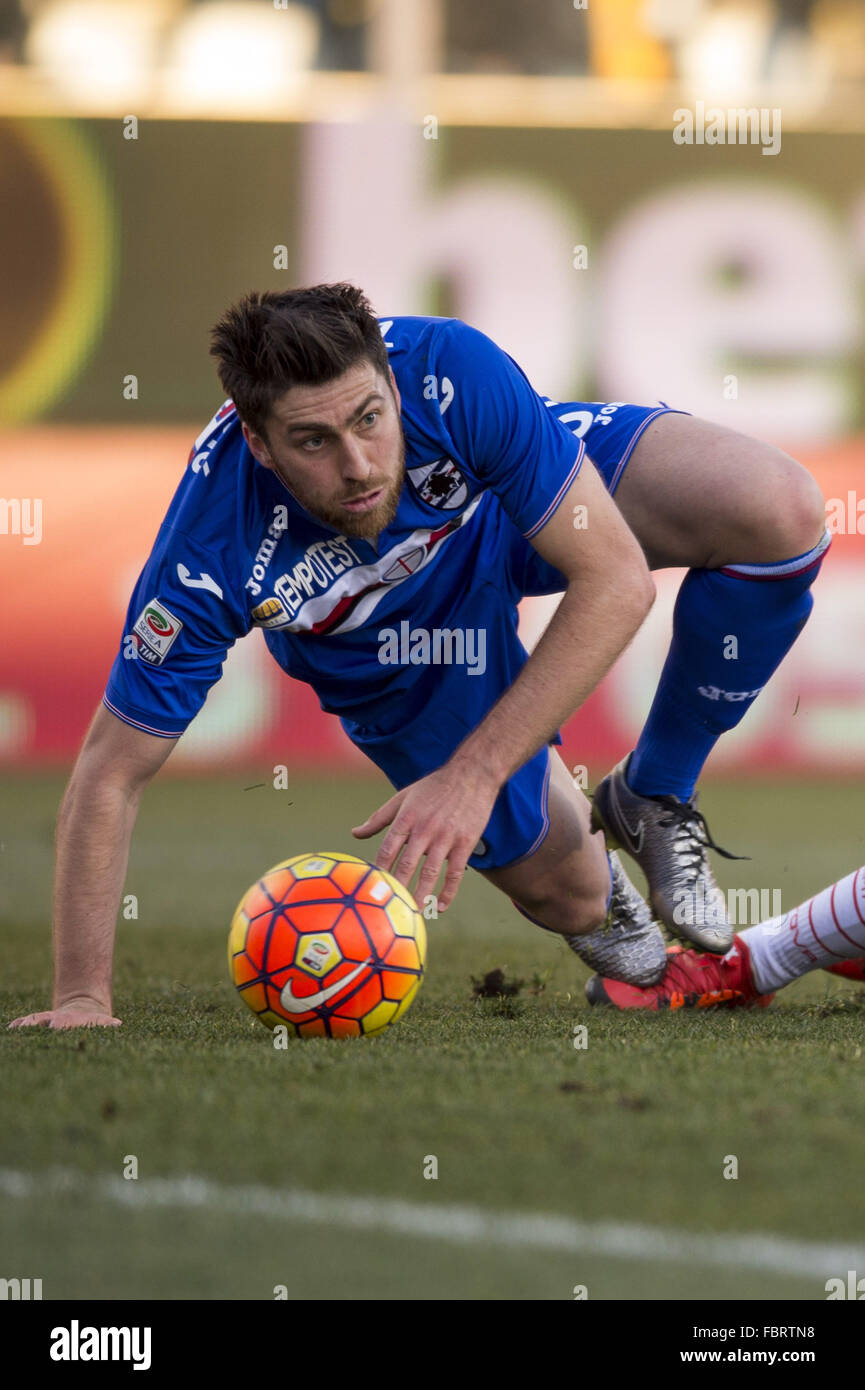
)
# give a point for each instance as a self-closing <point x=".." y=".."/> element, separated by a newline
<point x="75" y="1013"/>
<point x="439" y="819"/>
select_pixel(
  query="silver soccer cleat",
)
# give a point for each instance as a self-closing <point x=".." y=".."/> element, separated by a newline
<point x="669" y="839"/>
<point x="629" y="946"/>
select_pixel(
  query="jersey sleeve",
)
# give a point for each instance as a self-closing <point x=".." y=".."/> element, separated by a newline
<point x="183" y="617"/>
<point x="499" y="424"/>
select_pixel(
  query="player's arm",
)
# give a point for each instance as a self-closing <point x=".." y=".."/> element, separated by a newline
<point x="94" y="832"/>
<point x="186" y="611"/>
<point x="609" y="592"/>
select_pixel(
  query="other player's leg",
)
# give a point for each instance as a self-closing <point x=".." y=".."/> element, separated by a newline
<point x="826" y="932"/>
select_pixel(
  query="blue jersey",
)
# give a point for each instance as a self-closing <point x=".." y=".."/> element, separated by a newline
<point x="237" y="551"/>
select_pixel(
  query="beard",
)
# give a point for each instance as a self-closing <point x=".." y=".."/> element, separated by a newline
<point x="366" y="525"/>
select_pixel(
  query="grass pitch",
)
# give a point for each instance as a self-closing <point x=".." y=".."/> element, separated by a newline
<point x="635" y="1128"/>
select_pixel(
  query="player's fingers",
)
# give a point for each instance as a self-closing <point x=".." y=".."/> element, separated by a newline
<point x="406" y="855"/>
<point x="58" y="1018"/>
<point x="83" y="1020"/>
<point x="457" y="864"/>
<point x="379" y="819"/>
<point x="392" y="848"/>
<point x="429" y="875"/>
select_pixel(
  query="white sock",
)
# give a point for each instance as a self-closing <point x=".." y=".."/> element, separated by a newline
<point x="827" y="928"/>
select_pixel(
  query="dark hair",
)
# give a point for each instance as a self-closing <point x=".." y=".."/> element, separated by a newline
<point x="268" y="342"/>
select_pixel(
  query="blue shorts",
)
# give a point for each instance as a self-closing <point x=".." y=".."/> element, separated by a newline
<point x="456" y="705"/>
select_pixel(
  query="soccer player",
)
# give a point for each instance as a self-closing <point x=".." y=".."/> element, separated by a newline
<point x="825" y="933"/>
<point x="376" y="497"/>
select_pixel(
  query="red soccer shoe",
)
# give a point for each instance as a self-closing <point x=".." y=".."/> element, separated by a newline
<point x="851" y="969"/>
<point x="692" y="980"/>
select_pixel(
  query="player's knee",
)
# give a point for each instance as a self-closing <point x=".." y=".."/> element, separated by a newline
<point x="798" y="516"/>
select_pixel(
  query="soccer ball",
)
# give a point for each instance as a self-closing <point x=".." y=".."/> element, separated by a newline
<point x="327" y="945"/>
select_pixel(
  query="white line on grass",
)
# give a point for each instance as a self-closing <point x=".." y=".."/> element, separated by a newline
<point x="465" y="1224"/>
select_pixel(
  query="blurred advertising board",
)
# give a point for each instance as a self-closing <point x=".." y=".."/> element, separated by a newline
<point x="612" y="264"/>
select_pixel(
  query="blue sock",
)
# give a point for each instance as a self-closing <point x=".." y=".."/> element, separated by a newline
<point x="732" y="628"/>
